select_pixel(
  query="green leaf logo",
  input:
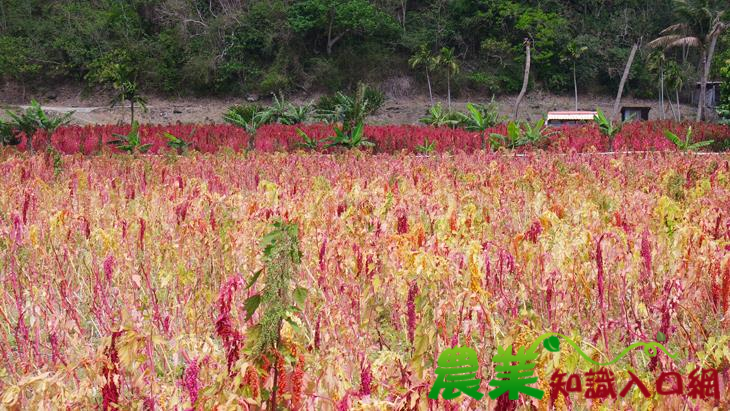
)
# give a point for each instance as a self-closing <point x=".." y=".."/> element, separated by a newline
<point x="552" y="344"/>
<point x="661" y="337"/>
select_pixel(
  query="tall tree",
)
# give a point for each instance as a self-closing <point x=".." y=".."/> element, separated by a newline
<point x="674" y="77"/>
<point x="624" y="77"/>
<point x="424" y="58"/>
<point x="575" y="52"/>
<point x="700" y="24"/>
<point x="447" y="60"/>
<point x="338" y="18"/>
<point x="525" y="79"/>
<point x="656" y="64"/>
<point x="119" y="70"/>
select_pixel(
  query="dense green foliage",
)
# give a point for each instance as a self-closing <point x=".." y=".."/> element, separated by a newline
<point x="234" y="46"/>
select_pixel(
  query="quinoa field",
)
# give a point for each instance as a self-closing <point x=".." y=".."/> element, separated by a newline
<point x="127" y="280"/>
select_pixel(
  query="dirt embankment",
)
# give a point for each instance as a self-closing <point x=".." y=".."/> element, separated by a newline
<point x="94" y="109"/>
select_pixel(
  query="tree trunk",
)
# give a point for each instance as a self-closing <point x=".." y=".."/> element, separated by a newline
<point x="330" y="40"/>
<point x="428" y="81"/>
<point x="329" y="36"/>
<point x="671" y="107"/>
<point x="575" y="87"/>
<point x="703" y="87"/>
<point x="679" y="107"/>
<point x="624" y="77"/>
<point x="707" y="64"/>
<point x="448" y="87"/>
<point x="661" y="95"/>
<point x="251" y="140"/>
<point x="404" y="4"/>
<point x="131" y="105"/>
<point x="525" y="80"/>
<point x="272" y="400"/>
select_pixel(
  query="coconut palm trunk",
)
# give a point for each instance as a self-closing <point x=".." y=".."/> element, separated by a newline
<point x="448" y="87"/>
<point x="707" y="56"/>
<point x="624" y="77"/>
<point x="703" y="87"/>
<point x="661" y="95"/>
<point x="131" y="110"/>
<point x="428" y="81"/>
<point x="575" y="86"/>
<point x="525" y="79"/>
<point x="679" y="106"/>
<point x="671" y="108"/>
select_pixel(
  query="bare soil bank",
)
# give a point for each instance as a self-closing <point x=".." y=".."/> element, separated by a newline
<point x="94" y="109"/>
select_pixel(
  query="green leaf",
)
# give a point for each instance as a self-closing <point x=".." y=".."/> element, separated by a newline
<point x="300" y="295"/>
<point x="700" y="144"/>
<point x="294" y="325"/>
<point x="358" y="130"/>
<point x="660" y="337"/>
<point x="251" y="304"/>
<point x="256" y="276"/>
<point x="513" y="130"/>
<point x="476" y="114"/>
<point x="171" y="137"/>
<point x="270" y="239"/>
<point x="673" y="138"/>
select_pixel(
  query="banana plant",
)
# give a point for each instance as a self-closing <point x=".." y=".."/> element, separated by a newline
<point x="607" y="127"/>
<point x="8" y="136"/>
<point x="350" y="110"/>
<point x="353" y="139"/>
<point x="32" y="120"/>
<point x="686" y="144"/>
<point x="437" y="116"/>
<point x="509" y="140"/>
<point x="309" y="143"/>
<point x="249" y="118"/>
<point x="479" y="118"/>
<point x="522" y="135"/>
<point x="298" y="114"/>
<point x="536" y="134"/>
<point x="130" y="143"/>
<point x="176" y="143"/>
<point x="427" y="147"/>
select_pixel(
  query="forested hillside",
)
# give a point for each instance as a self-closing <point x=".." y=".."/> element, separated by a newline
<point x="236" y="46"/>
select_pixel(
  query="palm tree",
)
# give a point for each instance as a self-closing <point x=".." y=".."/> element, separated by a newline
<point x="624" y="78"/>
<point x="424" y="58"/>
<point x="574" y="54"/>
<point x="701" y="22"/>
<point x="655" y="64"/>
<point x="447" y="60"/>
<point x="674" y="77"/>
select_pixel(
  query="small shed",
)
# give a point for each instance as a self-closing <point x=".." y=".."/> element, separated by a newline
<point x="570" y="118"/>
<point x="712" y="96"/>
<point x="635" y="113"/>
